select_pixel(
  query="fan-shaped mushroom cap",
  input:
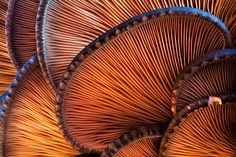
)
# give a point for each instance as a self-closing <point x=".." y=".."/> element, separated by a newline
<point x="65" y="27"/>
<point x="123" y="79"/>
<point x="28" y="117"/>
<point x="211" y="74"/>
<point x="202" y="129"/>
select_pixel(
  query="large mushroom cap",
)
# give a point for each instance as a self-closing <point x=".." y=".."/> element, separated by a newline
<point x="204" y="128"/>
<point x="127" y="74"/>
<point x="66" y="27"/>
<point x="211" y="74"/>
<point x="28" y="117"/>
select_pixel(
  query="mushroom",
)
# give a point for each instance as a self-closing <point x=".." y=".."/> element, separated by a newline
<point x="142" y="141"/>
<point x="211" y="74"/>
<point x="66" y="27"/>
<point x="28" y="122"/>
<point x="20" y="30"/>
<point x="115" y="85"/>
<point x="200" y="129"/>
<point x="7" y="70"/>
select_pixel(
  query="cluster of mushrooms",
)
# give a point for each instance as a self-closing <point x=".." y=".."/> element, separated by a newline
<point x="123" y="78"/>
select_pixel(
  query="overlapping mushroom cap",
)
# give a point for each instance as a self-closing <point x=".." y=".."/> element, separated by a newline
<point x="121" y="81"/>
<point x="143" y="141"/>
<point x="205" y="127"/>
<point x="211" y="74"/>
<point x="20" y="27"/>
<point x="7" y="70"/>
<point x="66" y="27"/>
<point x="114" y="98"/>
<point x="28" y="117"/>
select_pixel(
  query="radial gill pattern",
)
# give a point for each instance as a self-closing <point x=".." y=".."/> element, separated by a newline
<point x="126" y="76"/>
<point x="211" y="74"/>
<point x="143" y="141"/>
<point x="28" y="117"/>
<point x="20" y="26"/>
<point x="7" y="70"/>
<point x="66" y="27"/>
<point x="201" y="130"/>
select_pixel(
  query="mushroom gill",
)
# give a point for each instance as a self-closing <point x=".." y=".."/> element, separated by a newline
<point x="20" y="27"/>
<point x="201" y="130"/>
<point x="143" y="141"/>
<point x="123" y="79"/>
<point x="7" y="70"/>
<point x="28" y="117"/>
<point x="66" y="27"/>
<point x="211" y="74"/>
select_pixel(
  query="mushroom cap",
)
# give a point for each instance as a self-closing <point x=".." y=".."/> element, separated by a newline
<point x="20" y="30"/>
<point x="210" y="74"/>
<point x="7" y="70"/>
<point x="64" y="28"/>
<point x="123" y="79"/>
<point x="202" y="129"/>
<point x="28" y="120"/>
<point x="142" y="141"/>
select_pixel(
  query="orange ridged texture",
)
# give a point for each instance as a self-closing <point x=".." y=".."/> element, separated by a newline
<point x="144" y="141"/>
<point x="147" y="146"/>
<point x="71" y="25"/>
<point x="213" y="79"/>
<point x="208" y="132"/>
<point x="7" y="70"/>
<point x="127" y="83"/>
<point x="30" y="128"/>
<point x="21" y="36"/>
